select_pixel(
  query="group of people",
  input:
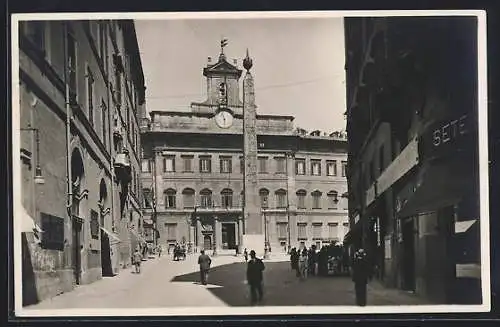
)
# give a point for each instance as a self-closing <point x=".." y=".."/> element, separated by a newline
<point x="312" y="262"/>
<point x="254" y="273"/>
<point x="330" y="258"/>
<point x="304" y="261"/>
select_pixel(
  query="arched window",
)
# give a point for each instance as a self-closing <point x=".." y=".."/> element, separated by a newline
<point x="264" y="198"/>
<point x="188" y="197"/>
<point x="169" y="198"/>
<point x="280" y="198"/>
<point x="227" y="198"/>
<point x="206" y="198"/>
<point x="146" y="195"/>
<point x="345" y="200"/>
<point x="333" y="199"/>
<point x="316" y="197"/>
<point x="301" y="199"/>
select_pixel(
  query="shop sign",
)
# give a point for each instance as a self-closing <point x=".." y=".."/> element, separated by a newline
<point x="446" y="136"/>
<point x="404" y="162"/>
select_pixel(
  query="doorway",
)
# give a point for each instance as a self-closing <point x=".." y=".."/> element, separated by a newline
<point x="408" y="261"/>
<point x="229" y="236"/>
<point x="106" y="255"/>
<point x="207" y="242"/>
<point x="77" y="254"/>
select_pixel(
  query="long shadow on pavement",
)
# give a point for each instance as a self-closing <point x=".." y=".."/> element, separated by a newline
<point x="281" y="286"/>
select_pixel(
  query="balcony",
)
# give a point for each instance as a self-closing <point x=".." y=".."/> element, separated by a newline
<point x="117" y="133"/>
<point x="122" y="167"/>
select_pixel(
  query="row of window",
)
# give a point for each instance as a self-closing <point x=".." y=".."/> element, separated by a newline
<point x="206" y="199"/>
<point x="318" y="232"/>
<point x="40" y="33"/>
<point x="226" y="165"/>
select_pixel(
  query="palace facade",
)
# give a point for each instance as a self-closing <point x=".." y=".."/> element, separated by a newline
<point x="193" y="166"/>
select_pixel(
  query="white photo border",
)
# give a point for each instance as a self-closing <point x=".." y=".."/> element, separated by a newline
<point x="276" y="310"/>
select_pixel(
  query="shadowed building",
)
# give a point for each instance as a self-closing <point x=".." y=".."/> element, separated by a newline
<point x="413" y="154"/>
<point x="194" y="164"/>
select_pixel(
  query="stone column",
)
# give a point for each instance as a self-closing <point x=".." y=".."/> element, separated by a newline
<point x="217" y="235"/>
<point x="199" y="235"/>
<point x="240" y="234"/>
<point x="158" y="173"/>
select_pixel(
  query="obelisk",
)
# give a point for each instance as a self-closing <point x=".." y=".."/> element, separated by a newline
<point x="253" y="237"/>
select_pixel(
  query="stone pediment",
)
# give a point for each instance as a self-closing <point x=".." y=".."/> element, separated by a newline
<point x="222" y="66"/>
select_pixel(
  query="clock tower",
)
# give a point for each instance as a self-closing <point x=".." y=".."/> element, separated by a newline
<point x="222" y="81"/>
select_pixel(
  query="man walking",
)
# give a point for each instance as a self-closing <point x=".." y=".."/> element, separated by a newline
<point x="204" y="261"/>
<point x="255" y="267"/>
<point x="360" y="272"/>
<point x="137" y="260"/>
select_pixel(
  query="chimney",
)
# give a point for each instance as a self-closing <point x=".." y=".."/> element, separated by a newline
<point x="209" y="59"/>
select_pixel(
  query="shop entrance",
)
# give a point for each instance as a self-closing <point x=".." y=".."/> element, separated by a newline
<point x="408" y="255"/>
<point x="229" y="236"/>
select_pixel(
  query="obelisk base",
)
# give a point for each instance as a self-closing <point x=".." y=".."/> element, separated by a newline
<point x="254" y="242"/>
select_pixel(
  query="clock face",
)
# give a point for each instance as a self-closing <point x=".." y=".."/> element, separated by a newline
<point x="224" y="119"/>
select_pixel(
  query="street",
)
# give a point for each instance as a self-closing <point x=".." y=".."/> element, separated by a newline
<point x="167" y="283"/>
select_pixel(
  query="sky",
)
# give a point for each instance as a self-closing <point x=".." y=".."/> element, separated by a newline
<point x="298" y="64"/>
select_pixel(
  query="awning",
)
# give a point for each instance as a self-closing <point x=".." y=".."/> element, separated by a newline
<point x="437" y="185"/>
<point x="28" y="223"/>
<point x="468" y="270"/>
<point x="113" y="238"/>
<point x="464" y="226"/>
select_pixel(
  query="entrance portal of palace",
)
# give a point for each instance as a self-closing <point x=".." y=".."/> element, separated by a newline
<point x="229" y="236"/>
<point x="207" y="242"/>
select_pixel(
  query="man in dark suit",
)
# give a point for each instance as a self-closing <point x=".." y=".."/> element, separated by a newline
<point x="255" y="267"/>
<point x="360" y="275"/>
<point x="204" y="261"/>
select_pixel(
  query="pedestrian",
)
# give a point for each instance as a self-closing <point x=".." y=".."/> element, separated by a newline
<point x="204" y="261"/>
<point x="303" y="264"/>
<point x="360" y="272"/>
<point x="245" y="254"/>
<point x="255" y="267"/>
<point x="137" y="260"/>
<point x="159" y="250"/>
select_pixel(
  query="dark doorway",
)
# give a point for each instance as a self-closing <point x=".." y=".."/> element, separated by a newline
<point x="229" y="236"/>
<point x="107" y="270"/>
<point x="408" y="255"/>
<point x="207" y="242"/>
<point x="30" y="294"/>
<point x="77" y="260"/>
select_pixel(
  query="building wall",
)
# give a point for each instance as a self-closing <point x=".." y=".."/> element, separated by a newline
<point x="42" y="106"/>
<point x="421" y="88"/>
<point x="175" y="121"/>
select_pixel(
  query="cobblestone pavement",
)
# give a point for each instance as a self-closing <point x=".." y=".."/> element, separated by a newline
<point x="167" y="283"/>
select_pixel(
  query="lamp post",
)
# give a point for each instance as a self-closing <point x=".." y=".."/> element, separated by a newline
<point x="39" y="179"/>
<point x="266" y="236"/>
<point x="289" y="155"/>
